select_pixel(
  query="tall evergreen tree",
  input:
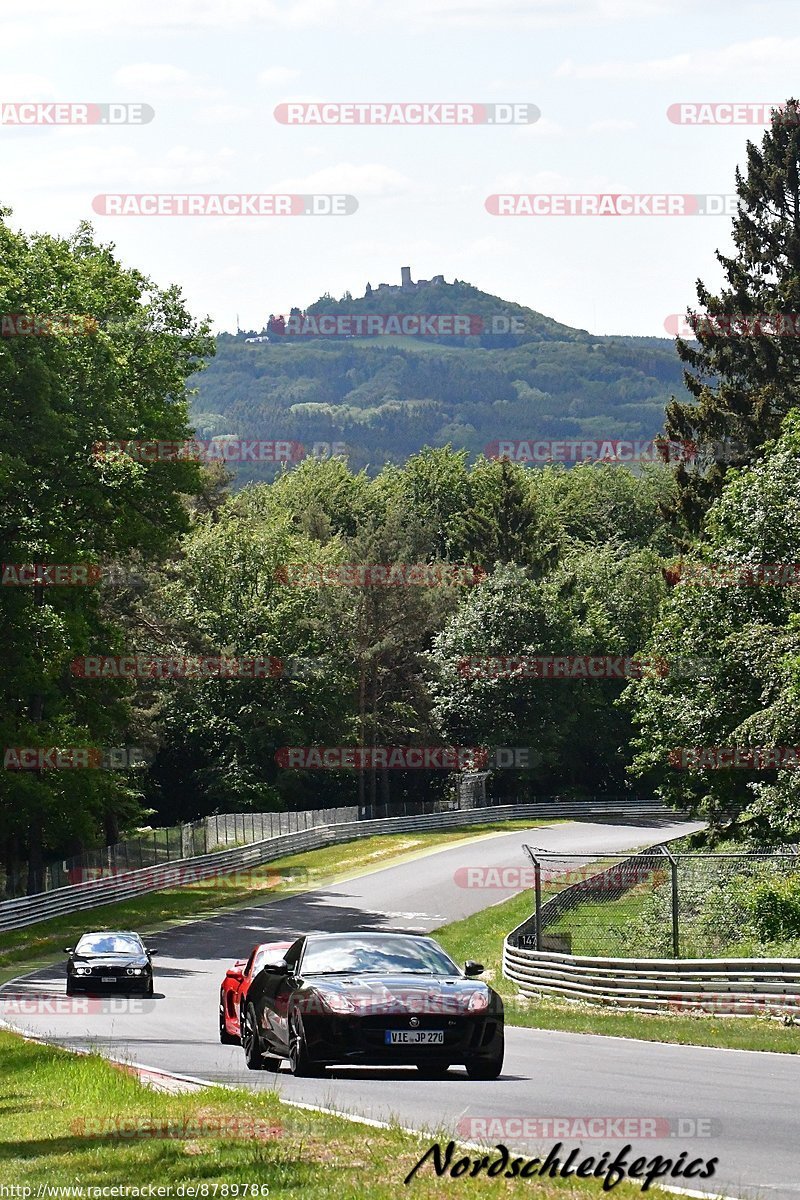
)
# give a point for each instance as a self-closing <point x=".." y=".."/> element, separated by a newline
<point x="744" y="376"/>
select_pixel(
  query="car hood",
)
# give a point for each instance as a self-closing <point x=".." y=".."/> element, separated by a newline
<point x="110" y="960"/>
<point x="396" y="993"/>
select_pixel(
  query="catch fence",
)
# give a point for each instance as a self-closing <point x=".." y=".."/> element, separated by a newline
<point x="663" y="904"/>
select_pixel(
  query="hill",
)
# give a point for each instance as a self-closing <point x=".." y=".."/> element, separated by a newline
<point x="517" y="375"/>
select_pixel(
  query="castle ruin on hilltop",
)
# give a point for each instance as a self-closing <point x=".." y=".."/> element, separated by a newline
<point x="407" y="284"/>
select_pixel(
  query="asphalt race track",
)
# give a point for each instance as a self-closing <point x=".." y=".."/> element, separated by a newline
<point x="742" y="1107"/>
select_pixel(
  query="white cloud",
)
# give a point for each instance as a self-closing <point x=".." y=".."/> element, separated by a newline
<point x="769" y="55"/>
<point x="98" y="17"/>
<point x="276" y="76"/>
<point x="370" y="179"/>
<point x="610" y="126"/>
<point x="164" y="79"/>
<point x="226" y="114"/>
<point x="25" y="87"/>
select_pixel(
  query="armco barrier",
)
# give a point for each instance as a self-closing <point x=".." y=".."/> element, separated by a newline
<point x="740" y="985"/>
<point x="27" y="910"/>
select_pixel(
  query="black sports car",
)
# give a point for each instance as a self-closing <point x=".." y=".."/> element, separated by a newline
<point x="109" y="959"/>
<point x="383" y="999"/>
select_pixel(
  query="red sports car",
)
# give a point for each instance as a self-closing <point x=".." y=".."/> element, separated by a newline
<point x="237" y="980"/>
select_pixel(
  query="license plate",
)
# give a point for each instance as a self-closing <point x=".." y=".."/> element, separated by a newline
<point x="414" y="1037"/>
<point x="108" y="979"/>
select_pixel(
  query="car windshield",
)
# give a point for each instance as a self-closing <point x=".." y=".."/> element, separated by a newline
<point x="109" y="943"/>
<point x="371" y="954"/>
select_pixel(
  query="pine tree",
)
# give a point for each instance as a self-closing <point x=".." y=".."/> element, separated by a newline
<point x="744" y="374"/>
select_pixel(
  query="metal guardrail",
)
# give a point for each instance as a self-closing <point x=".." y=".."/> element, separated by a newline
<point x="722" y="986"/>
<point x="29" y="910"/>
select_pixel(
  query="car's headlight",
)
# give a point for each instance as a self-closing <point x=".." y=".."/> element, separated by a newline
<point x="338" y="1003"/>
<point x="82" y="970"/>
<point x="478" y="1001"/>
<point x="134" y="971"/>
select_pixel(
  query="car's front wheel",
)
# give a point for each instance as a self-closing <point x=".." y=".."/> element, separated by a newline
<point x="70" y="988"/>
<point x="485" y="1068"/>
<point x="299" y="1059"/>
<point x="251" y="1043"/>
<point x="433" y="1070"/>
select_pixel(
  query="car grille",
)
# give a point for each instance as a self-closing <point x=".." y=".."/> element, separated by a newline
<point x="370" y="1031"/>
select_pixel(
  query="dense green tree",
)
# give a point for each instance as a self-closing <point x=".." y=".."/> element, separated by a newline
<point x="743" y="380"/>
<point x="112" y="365"/>
<point x="729" y="634"/>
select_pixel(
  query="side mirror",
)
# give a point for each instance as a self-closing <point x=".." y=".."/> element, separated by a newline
<point x="277" y="968"/>
<point x="68" y="949"/>
<point x="150" y="950"/>
<point x="473" y="968"/>
<point x="234" y="973"/>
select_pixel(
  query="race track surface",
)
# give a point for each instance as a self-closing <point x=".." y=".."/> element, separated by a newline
<point x="742" y="1107"/>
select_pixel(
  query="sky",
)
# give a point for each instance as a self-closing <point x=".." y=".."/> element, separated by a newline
<point x="602" y="73"/>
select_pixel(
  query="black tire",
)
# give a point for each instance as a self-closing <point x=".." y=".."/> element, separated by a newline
<point x="299" y="1060"/>
<point x="148" y="991"/>
<point x="227" y="1039"/>
<point x="251" y="1042"/>
<point x="70" y="988"/>
<point x="433" y="1070"/>
<point x="485" y="1068"/>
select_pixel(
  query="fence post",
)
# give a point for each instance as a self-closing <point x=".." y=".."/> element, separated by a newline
<point x="537" y="887"/>
<point x="537" y="892"/>
<point x="675" y="930"/>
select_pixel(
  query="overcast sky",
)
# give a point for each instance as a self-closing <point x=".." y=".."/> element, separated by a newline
<point x="602" y="72"/>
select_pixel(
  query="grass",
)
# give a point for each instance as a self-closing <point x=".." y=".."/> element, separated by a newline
<point x="68" y="1120"/>
<point x="598" y="927"/>
<point x="37" y="945"/>
<point x="481" y="937"/>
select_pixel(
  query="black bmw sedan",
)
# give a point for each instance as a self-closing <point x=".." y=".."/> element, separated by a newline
<point x="113" y="960"/>
<point x="379" y="999"/>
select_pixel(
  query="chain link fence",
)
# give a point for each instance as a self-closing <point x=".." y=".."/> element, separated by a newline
<point x="152" y="847"/>
<point x="666" y="904"/>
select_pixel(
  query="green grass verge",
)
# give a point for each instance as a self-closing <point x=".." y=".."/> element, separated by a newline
<point x="36" y="945"/>
<point x="481" y="937"/>
<point x="76" y="1121"/>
